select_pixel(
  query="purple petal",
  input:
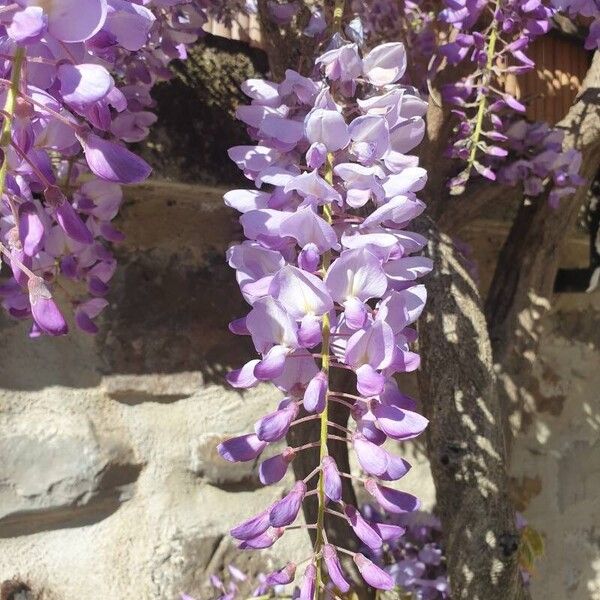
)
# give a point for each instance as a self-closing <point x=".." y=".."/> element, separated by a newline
<point x="238" y="326"/>
<point x="112" y="161"/>
<point x="312" y="185"/>
<point x="70" y="222"/>
<point x="306" y="227"/>
<point x="307" y="587"/>
<point x="372" y="574"/>
<point x="364" y="531"/>
<point x="274" y="469"/>
<point x="31" y="228"/>
<point x="272" y="364"/>
<point x="342" y="63"/>
<point x="372" y="458"/>
<point x="402" y="308"/>
<point x="252" y="527"/>
<point x="246" y="200"/>
<point x="283" y="576"/>
<point x="316" y="155"/>
<point x="44" y="310"/>
<point x="84" y="83"/>
<point x="366" y="425"/>
<point x="75" y="20"/>
<point x="316" y="392"/>
<point x="333" y="481"/>
<point x="409" y="268"/>
<point x="385" y="64"/>
<point x="326" y="127"/>
<point x="244" y="377"/>
<point x="309" y="333"/>
<point x="285" y="511"/>
<point x="264" y="540"/>
<point x="269" y="324"/>
<point x="262" y="92"/>
<point x="396" y="468"/>
<point x="129" y="24"/>
<point x="83" y="321"/>
<point x="397" y="423"/>
<point x="242" y="448"/>
<point x="356" y="313"/>
<point x="356" y="274"/>
<point x="334" y="568"/>
<point x="300" y="292"/>
<point x="27" y="24"/>
<point x="389" y="532"/>
<point x="399" y="209"/>
<point x="393" y="501"/>
<point x="369" y="382"/>
<point x="370" y="136"/>
<point x="309" y="257"/>
<point x="274" y="426"/>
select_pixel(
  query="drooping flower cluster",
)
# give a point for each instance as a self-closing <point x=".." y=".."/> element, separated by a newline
<point x="416" y="560"/>
<point x="75" y="85"/>
<point x="489" y="40"/>
<point x="498" y="50"/>
<point x="539" y="162"/>
<point x="330" y="272"/>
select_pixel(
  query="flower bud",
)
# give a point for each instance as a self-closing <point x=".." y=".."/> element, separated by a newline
<point x="285" y="511"/>
<point x="307" y="588"/>
<point x="334" y="568"/>
<point x="373" y="574"/>
<point x="333" y="481"/>
<point x="242" y="448"/>
<point x="316" y="393"/>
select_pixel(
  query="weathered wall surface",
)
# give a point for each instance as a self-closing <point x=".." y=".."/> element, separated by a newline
<point x="110" y="486"/>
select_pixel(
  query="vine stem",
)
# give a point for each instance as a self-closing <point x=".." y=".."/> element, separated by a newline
<point x="9" y="112"/>
<point x="325" y="364"/>
<point x="338" y="13"/>
<point x="482" y="100"/>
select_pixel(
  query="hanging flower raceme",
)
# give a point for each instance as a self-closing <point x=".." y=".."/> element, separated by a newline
<point x="74" y="89"/>
<point x="330" y="271"/>
<point x="539" y="162"/>
<point x="482" y="106"/>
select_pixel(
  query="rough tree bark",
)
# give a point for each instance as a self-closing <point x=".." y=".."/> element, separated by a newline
<point x="465" y="439"/>
<point x="468" y="440"/>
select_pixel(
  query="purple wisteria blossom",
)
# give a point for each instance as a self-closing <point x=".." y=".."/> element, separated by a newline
<point x="481" y="107"/>
<point x="331" y="273"/>
<point x="539" y="162"/>
<point x="76" y="79"/>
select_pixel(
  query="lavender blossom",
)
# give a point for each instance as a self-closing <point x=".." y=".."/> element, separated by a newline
<point x="331" y="276"/>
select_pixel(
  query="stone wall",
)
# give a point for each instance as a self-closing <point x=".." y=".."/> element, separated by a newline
<point x="110" y="486"/>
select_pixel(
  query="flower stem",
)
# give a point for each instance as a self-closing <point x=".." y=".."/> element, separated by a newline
<point x="325" y="333"/>
<point x="482" y="97"/>
<point x="338" y="13"/>
<point x="9" y="110"/>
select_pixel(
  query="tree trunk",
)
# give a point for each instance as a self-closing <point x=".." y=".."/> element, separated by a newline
<point x="465" y="440"/>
